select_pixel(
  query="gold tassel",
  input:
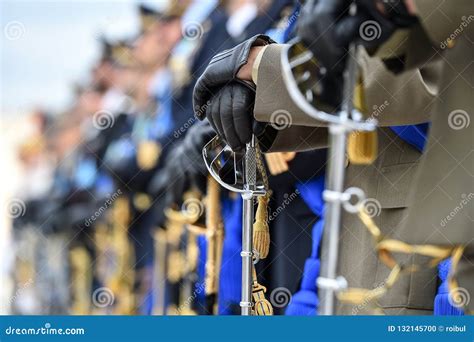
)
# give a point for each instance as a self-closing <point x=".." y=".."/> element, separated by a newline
<point x="361" y="146"/>
<point x="261" y="231"/>
<point x="262" y="307"/>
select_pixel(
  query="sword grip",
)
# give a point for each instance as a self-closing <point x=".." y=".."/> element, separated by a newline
<point x="250" y="165"/>
<point x="250" y="181"/>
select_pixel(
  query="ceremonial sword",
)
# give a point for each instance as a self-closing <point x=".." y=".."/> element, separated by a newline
<point x="246" y="182"/>
<point x="300" y="74"/>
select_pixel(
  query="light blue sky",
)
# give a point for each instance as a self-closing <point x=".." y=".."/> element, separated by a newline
<point x="46" y="46"/>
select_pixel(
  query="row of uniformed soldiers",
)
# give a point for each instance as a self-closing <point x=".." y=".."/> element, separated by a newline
<point x="148" y="230"/>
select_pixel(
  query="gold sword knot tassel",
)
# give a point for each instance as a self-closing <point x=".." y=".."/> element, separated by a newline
<point x="261" y="306"/>
<point x="261" y="231"/>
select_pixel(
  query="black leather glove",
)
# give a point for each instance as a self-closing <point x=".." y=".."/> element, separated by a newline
<point x="221" y="70"/>
<point x="191" y="154"/>
<point x="327" y="28"/>
<point x="230" y="113"/>
<point x="184" y="166"/>
<point x="226" y="101"/>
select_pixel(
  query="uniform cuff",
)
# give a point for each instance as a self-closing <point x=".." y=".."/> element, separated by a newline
<point x="256" y="64"/>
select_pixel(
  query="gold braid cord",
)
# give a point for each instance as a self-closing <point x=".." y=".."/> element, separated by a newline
<point x="385" y="248"/>
<point x="362" y="149"/>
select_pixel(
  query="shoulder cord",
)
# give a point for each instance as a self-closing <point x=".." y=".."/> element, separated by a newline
<point x="385" y="248"/>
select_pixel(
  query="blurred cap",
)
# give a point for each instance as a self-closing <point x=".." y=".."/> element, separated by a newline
<point x="106" y="49"/>
<point x="153" y="11"/>
<point x="122" y="54"/>
<point x="118" y="52"/>
<point x="149" y="14"/>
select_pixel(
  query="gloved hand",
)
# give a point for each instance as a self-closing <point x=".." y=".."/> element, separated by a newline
<point x="184" y="166"/>
<point x="191" y="154"/>
<point x="226" y="100"/>
<point x="231" y="115"/>
<point x="327" y="28"/>
<point x="221" y="70"/>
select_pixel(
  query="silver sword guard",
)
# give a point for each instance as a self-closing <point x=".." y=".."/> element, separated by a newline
<point x="300" y="74"/>
<point x="216" y="153"/>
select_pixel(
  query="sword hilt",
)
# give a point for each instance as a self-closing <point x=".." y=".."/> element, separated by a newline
<point x="250" y="166"/>
<point x="247" y="181"/>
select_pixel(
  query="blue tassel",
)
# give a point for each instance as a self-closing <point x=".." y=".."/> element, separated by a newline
<point x="305" y="302"/>
<point x="442" y="305"/>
